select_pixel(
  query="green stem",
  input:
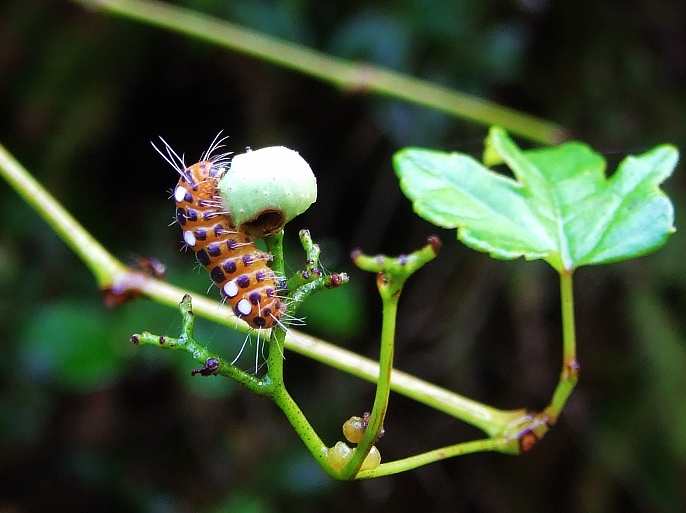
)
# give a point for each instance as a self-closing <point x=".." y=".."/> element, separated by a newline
<point x="187" y="343"/>
<point x="275" y="247"/>
<point x="346" y="75"/>
<point x="104" y="266"/>
<point x="570" y="367"/>
<point x="275" y="357"/>
<point x="277" y="334"/>
<point x="383" y="387"/>
<point x="278" y="392"/>
<point x="392" y="274"/>
<point x="394" y="467"/>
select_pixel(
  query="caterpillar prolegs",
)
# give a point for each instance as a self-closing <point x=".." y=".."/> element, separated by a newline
<point x="235" y="265"/>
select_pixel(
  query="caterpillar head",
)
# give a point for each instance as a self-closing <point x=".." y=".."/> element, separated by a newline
<point x="266" y="188"/>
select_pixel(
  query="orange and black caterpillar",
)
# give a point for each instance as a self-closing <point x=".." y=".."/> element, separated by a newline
<point x="235" y="265"/>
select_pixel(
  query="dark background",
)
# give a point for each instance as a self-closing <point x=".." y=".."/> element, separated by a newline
<point x="89" y="422"/>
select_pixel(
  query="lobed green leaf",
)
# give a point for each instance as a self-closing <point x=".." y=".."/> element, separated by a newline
<point x="560" y="206"/>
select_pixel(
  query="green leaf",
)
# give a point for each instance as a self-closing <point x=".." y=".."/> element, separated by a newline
<point x="560" y="206"/>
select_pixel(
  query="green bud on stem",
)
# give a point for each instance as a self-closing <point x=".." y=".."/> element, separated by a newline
<point x="266" y="188"/>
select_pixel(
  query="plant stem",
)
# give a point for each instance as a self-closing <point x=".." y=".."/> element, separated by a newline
<point x="392" y="274"/>
<point x="278" y="392"/>
<point x="570" y="367"/>
<point x="275" y="247"/>
<point x="346" y="75"/>
<point x="186" y="342"/>
<point x="104" y="266"/>
<point x="383" y="383"/>
<point x="394" y="467"/>
<point x="277" y="334"/>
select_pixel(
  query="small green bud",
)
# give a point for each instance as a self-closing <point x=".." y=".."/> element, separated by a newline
<point x="264" y="189"/>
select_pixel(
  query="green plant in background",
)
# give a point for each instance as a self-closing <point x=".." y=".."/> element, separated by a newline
<point x="559" y="207"/>
<point x="344" y="74"/>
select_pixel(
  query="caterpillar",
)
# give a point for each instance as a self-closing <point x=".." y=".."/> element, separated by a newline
<point x="233" y="261"/>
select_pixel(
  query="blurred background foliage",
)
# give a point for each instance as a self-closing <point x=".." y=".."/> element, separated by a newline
<point x="90" y="423"/>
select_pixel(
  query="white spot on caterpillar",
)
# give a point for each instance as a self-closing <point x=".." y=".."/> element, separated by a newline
<point x="179" y="193"/>
<point x="189" y="238"/>
<point x="243" y="307"/>
<point x="231" y="289"/>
